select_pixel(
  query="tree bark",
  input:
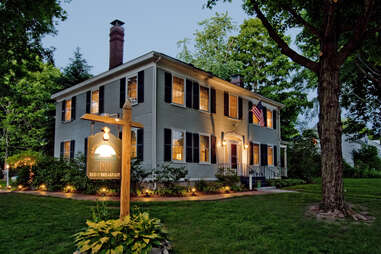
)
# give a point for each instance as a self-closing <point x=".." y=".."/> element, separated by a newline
<point x="330" y="131"/>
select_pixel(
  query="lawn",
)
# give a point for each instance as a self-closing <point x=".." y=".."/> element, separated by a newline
<point x="256" y="224"/>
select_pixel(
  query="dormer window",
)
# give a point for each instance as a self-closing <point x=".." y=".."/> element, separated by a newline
<point x="95" y="102"/>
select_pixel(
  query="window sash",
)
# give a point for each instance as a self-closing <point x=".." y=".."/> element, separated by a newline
<point x="132" y="89"/>
<point x="233" y="106"/>
<point x="95" y="102"/>
<point x="204" y="98"/>
<point x="270" y="156"/>
<point x="204" y="149"/>
<point x="269" y="118"/>
<point x="256" y="154"/>
<point x="66" y="150"/>
<point x="68" y="110"/>
<point x="177" y="90"/>
<point x="177" y="145"/>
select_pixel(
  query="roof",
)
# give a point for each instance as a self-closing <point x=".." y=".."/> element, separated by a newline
<point x="151" y="56"/>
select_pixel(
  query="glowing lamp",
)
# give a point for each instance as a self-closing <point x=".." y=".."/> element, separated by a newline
<point x="227" y="189"/>
<point x="103" y="191"/>
<point x="246" y="146"/>
<point x="193" y="191"/>
<point x="42" y="187"/>
<point x="224" y="143"/>
<point x="19" y="187"/>
<point x="106" y="135"/>
<point x="147" y="192"/>
<point x="9" y="187"/>
<point x="6" y="166"/>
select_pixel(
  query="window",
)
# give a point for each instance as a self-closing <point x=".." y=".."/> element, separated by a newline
<point x="133" y="143"/>
<point x="204" y="98"/>
<point x="270" y="155"/>
<point x="178" y="90"/>
<point x="68" y="110"/>
<point x="132" y="88"/>
<point x="256" y="154"/>
<point x="66" y="153"/>
<point x="95" y="102"/>
<point x="233" y="106"/>
<point x="204" y="148"/>
<point x="269" y="116"/>
<point x="177" y="145"/>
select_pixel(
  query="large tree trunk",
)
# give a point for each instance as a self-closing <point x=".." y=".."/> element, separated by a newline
<point x="330" y="132"/>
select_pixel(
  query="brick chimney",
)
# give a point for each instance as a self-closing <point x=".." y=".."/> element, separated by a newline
<point x="116" y="43"/>
<point x="237" y="80"/>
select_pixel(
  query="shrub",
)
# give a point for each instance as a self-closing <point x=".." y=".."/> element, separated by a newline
<point x="100" y="212"/>
<point x="167" y="175"/>
<point x="280" y="183"/>
<point x="209" y="187"/>
<point x="367" y="157"/>
<point x="227" y="177"/>
<point x="132" y="234"/>
<point x="138" y="175"/>
<point x="173" y="191"/>
<point x="1" y="174"/>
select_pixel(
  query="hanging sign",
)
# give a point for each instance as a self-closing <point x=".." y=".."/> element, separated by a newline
<point x="104" y="156"/>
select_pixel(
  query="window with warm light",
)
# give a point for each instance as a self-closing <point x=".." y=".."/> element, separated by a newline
<point x="233" y="106"/>
<point x="204" y="148"/>
<point x="132" y="89"/>
<point x="270" y="156"/>
<point x="95" y="102"/>
<point x="177" y="145"/>
<point x="66" y="152"/>
<point x="256" y="154"/>
<point x="68" y="110"/>
<point x="204" y="98"/>
<point x="255" y="119"/>
<point x="133" y="143"/>
<point x="178" y="90"/>
<point x="269" y="115"/>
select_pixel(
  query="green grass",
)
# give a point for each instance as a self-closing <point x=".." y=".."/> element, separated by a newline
<point x="258" y="224"/>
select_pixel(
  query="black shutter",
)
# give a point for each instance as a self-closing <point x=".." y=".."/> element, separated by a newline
<point x="120" y="134"/>
<point x="196" y="96"/>
<point x="122" y="93"/>
<point x="226" y="104"/>
<point x="213" y="100"/>
<point x="72" y="149"/>
<point x="140" y="86"/>
<point x="85" y="150"/>
<point x="275" y="156"/>
<point x="88" y="101"/>
<point x="167" y="144"/>
<point x="63" y="111"/>
<point x="73" y="107"/>
<point x="188" y="88"/>
<point x="250" y="114"/>
<point x="189" y="147"/>
<point x="213" y="149"/>
<point x="251" y="153"/>
<point x="196" y="154"/>
<point x="139" y="144"/>
<point x="265" y="116"/>
<point x="240" y="108"/>
<point x="168" y="88"/>
<point x="274" y="119"/>
<point x="263" y="155"/>
<point x="101" y="99"/>
<point x="62" y="150"/>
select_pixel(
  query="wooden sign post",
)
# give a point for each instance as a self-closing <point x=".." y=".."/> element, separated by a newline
<point x="126" y="123"/>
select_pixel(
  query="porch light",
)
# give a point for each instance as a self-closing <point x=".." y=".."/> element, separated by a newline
<point x="224" y="143"/>
<point x="246" y="146"/>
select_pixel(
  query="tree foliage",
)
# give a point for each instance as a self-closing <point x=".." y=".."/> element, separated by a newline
<point x="252" y="54"/>
<point x="77" y="71"/>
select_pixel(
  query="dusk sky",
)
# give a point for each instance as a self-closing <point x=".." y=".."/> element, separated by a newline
<point x="150" y="25"/>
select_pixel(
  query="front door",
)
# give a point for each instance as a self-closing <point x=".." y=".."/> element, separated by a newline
<point x="233" y="155"/>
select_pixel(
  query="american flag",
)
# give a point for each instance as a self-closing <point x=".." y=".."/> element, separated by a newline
<point x="258" y="113"/>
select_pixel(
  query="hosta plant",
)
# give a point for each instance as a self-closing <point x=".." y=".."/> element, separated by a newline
<point x="133" y="234"/>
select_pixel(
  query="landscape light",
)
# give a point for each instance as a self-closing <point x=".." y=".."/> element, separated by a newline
<point x="147" y="192"/>
<point x="19" y="187"/>
<point x="9" y="187"/>
<point x="193" y="191"/>
<point x="103" y="191"/>
<point x="42" y="187"/>
<point x="227" y="189"/>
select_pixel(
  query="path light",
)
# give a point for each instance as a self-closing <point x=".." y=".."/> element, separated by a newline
<point x="9" y="187"/>
<point x="69" y="188"/>
<point x="103" y="191"/>
<point x="193" y="191"/>
<point x="19" y="187"/>
<point x="227" y="189"/>
<point x="147" y="191"/>
<point x="42" y="187"/>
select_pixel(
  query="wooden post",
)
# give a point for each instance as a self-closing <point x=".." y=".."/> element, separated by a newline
<point x="126" y="161"/>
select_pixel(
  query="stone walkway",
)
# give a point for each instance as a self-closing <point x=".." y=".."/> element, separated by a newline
<point x="78" y="196"/>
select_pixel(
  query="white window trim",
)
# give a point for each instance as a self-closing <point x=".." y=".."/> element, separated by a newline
<point x="184" y="155"/>
<point x="199" y="148"/>
<point x="259" y="153"/>
<point x="199" y="98"/>
<point x="272" y="147"/>
<point x="137" y="87"/>
<point x="229" y="94"/>
<point x="184" y="94"/>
